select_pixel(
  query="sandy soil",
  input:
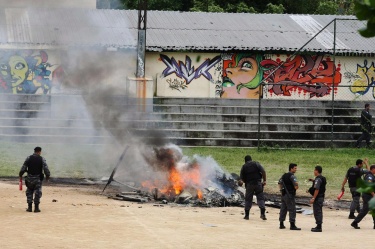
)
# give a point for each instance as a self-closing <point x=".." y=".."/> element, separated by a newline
<point x="82" y="218"/>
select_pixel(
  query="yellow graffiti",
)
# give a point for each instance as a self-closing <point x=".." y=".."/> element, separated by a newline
<point x="365" y="79"/>
<point x="361" y="84"/>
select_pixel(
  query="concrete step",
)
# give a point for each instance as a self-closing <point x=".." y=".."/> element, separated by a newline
<point x="255" y="102"/>
<point x="199" y="109"/>
<point x="283" y="143"/>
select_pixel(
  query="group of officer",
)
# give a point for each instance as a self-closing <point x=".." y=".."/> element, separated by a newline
<point x="254" y="176"/>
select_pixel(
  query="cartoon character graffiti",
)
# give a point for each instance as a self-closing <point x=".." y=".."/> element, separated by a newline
<point x="364" y="79"/>
<point x="242" y="75"/>
<point x="303" y="73"/>
<point x="25" y="72"/>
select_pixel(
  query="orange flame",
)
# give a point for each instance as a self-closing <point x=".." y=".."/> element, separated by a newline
<point x="178" y="181"/>
<point x="199" y="194"/>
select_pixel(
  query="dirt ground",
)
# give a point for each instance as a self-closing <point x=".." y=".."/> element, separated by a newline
<point x="82" y="218"/>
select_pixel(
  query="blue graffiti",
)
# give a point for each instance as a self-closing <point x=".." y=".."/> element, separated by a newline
<point x="186" y="70"/>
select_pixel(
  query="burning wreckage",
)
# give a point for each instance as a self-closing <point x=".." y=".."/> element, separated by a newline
<point x="168" y="176"/>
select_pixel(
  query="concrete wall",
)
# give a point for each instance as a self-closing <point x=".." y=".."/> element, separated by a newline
<point x="213" y="75"/>
<point x="46" y="71"/>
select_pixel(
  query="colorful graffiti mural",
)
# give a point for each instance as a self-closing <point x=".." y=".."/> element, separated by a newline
<point x="304" y="74"/>
<point x="185" y="70"/>
<point x="363" y="79"/>
<point x="26" y="72"/>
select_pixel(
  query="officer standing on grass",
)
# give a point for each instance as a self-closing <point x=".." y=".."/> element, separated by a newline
<point x="366" y="197"/>
<point x="252" y="174"/>
<point x="352" y="176"/>
<point x="318" y="192"/>
<point x="35" y="165"/>
<point x="288" y="185"/>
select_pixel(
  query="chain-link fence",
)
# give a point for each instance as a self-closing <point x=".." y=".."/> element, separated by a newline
<point x="314" y="97"/>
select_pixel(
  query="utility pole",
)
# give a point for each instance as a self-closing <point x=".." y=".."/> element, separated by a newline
<point x="141" y="55"/>
<point x="141" y="47"/>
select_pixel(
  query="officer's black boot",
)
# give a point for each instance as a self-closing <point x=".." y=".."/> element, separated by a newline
<point x="318" y="228"/>
<point x="282" y="226"/>
<point x="355" y="225"/>
<point x="293" y="226"/>
<point x="30" y="207"/>
<point x="247" y="213"/>
<point x="36" y="210"/>
<point x="263" y="214"/>
<point x="351" y="216"/>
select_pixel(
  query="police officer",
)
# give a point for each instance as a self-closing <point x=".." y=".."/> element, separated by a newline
<point x="366" y="126"/>
<point x="366" y="197"/>
<point x="252" y="174"/>
<point x="34" y="165"/>
<point x="352" y="175"/>
<point x="318" y="192"/>
<point x="288" y="185"/>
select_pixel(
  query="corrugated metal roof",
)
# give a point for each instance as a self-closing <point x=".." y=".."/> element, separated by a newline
<point x="172" y="30"/>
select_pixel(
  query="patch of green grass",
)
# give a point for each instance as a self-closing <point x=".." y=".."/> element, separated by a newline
<point x="334" y="162"/>
<point x="93" y="161"/>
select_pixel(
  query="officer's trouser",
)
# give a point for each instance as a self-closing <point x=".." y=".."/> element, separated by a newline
<point x="36" y="188"/>
<point x="365" y="136"/>
<point x="355" y="202"/>
<point x="318" y="210"/>
<point x="365" y="209"/>
<point x="251" y="189"/>
<point x="288" y="204"/>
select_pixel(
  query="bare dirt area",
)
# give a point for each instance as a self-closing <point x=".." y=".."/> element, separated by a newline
<point x="82" y="218"/>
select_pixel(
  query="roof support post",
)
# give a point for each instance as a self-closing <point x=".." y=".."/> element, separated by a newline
<point x="141" y="55"/>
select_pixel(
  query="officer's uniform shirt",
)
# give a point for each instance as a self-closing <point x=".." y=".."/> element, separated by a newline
<point x="293" y="178"/>
<point x="317" y="183"/>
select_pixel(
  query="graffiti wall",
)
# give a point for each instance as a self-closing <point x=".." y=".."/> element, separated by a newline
<point x="239" y="75"/>
<point x="28" y="72"/>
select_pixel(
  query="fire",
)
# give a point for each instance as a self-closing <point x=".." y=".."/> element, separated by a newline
<point x="199" y="194"/>
<point x="178" y="179"/>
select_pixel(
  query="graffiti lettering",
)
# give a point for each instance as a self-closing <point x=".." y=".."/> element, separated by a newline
<point x="364" y="79"/>
<point x="314" y="75"/>
<point x="185" y="70"/>
<point x="176" y="84"/>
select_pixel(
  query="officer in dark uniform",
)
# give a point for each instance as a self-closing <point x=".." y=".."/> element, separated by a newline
<point x="252" y="174"/>
<point x="352" y="175"/>
<point x="318" y="192"/>
<point x="288" y="185"/>
<point x="35" y="165"/>
<point x="366" y="197"/>
<point x="366" y="126"/>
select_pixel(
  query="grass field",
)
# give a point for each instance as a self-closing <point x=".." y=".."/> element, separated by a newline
<point x="334" y="162"/>
<point x="86" y="161"/>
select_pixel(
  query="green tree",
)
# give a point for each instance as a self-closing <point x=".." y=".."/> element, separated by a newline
<point x="365" y="11"/>
<point x="244" y="8"/>
<point x="273" y="8"/>
<point x="327" y="7"/>
<point x="206" y="6"/>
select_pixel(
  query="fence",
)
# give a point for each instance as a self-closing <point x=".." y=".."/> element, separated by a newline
<point x="314" y="97"/>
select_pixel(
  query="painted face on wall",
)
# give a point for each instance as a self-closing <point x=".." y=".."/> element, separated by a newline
<point x="242" y="73"/>
<point x="15" y="70"/>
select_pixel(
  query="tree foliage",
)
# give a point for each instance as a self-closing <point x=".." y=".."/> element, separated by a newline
<point x="343" y="7"/>
<point x="365" y="10"/>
